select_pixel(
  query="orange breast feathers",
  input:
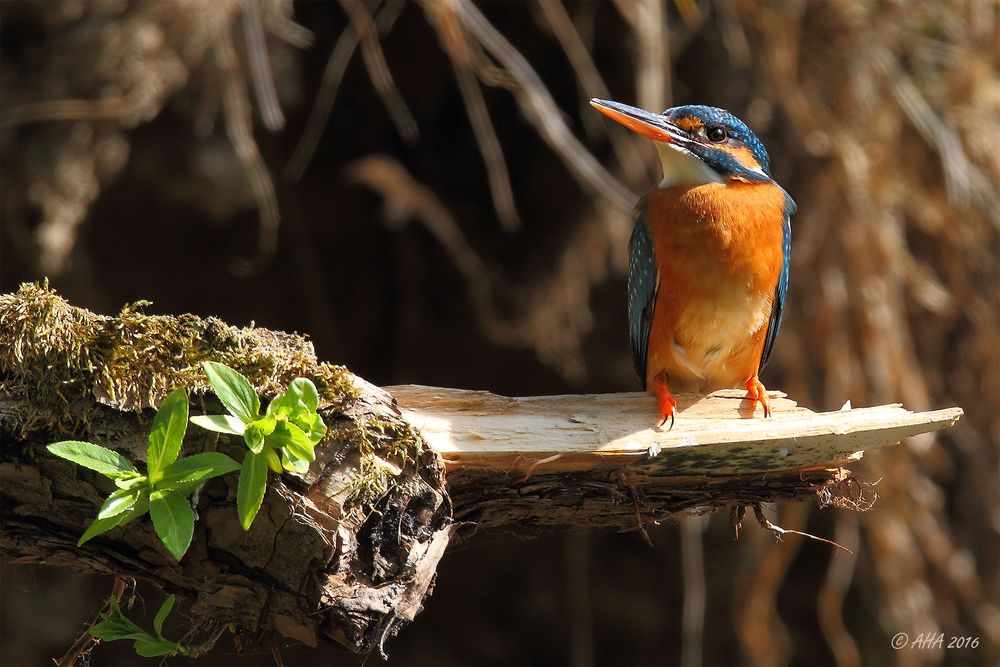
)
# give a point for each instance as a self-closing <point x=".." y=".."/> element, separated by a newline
<point x="719" y="252"/>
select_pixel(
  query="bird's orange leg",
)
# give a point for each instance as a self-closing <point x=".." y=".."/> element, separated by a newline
<point x="665" y="399"/>
<point x="757" y="393"/>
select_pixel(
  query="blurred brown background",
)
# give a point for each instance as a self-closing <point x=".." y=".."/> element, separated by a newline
<point x="438" y="204"/>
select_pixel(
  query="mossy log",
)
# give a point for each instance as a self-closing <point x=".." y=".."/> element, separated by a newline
<point x="349" y="551"/>
<point x="346" y="552"/>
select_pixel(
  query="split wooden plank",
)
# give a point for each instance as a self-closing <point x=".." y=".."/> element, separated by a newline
<point x="715" y="435"/>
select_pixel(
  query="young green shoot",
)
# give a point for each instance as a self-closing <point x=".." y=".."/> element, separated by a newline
<point x="114" y="625"/>
<point x="283" y="438"/>
<point x="163" y="491"/>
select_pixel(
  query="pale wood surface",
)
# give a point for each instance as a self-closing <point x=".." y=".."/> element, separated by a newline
<point x="715" y="435"/>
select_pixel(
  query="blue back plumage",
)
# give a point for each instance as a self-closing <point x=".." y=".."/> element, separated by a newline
<point x="643" y="276"/>
<point x="781" y="290"/>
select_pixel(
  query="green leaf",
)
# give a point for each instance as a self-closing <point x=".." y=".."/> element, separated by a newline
<point x="312" y="424"/>
<point x="94" y="457"/>
<point x="298" y="406"/>
<point x="283" y="405"/>
<point x="234" y="390"/>
<point x="153" y="648"/>
<point x="162" y="614"/>
<point x="173" y="520"/>
<point x="115" y="625"/>
<point x="120" y="501"/>
<point x="169" y="426"/>
<point x="306" y="391"/>
<point x="117" y="628"/>
<point x="220" y="423"/>
<point x="292" y="463"/>
<point x="300" y="397"/>
<point x="265" y="424"/>
<point x="109" y="631"/>
<point x="195" y="469"/>
<point x="291" y="437"/>
<point x="257" y="431"/>
<point x="251" y="487"/>
<point x="273" y="462"/>
<point x="104" y="525"/>
<point x="130" y="480"/>
<point x="101" y="526"/>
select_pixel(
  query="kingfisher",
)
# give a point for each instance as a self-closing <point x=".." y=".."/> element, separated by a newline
<point x="708" y="256"/>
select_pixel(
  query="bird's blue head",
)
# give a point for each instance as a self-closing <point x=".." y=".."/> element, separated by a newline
<point x="697" y="144"/>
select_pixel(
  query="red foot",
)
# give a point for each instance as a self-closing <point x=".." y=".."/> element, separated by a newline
<point x="666" y="401"/>
<point x="757" y="393"/>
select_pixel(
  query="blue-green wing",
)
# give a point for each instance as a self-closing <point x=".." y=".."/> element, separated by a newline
<point x="643" y="280"/>
<point x="781" y="290"/>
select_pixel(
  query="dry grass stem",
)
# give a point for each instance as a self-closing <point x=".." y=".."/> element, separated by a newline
<point x="653" y="55"/>
<point x="260" y="66"/>
<point x="326" y="95"/>
<point x="239" y="128"/>
<point x="378" y="70"/>
<point x="454" y="40"/>
<point x="541" y="110"/>
<point x="830" y="601"/>
<point x="592" y="85"/>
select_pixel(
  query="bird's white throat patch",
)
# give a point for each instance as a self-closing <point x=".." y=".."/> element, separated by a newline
<point x="682" y="167"/>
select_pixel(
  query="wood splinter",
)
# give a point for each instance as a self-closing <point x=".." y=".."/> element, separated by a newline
<point x="556" y="460"/>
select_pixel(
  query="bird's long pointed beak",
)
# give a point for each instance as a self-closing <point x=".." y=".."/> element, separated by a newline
<point x="650" y="125"/>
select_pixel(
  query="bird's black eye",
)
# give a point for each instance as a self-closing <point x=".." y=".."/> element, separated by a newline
<point x="716" y="134"/>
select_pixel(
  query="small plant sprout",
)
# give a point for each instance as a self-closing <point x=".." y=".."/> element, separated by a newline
<point x="283" y="438"/>
<point x="163" y="491"/>
<point x="116" y="625"/>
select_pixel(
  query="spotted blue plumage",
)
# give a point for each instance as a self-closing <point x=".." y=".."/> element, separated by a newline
<point x="643" y="276"/>
<point x="778" y="306"/>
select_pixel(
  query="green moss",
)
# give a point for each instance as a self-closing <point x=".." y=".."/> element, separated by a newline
<point x="335" y="384"/>
<point x="388" y="450"/>
<point x="56" y="356"/>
